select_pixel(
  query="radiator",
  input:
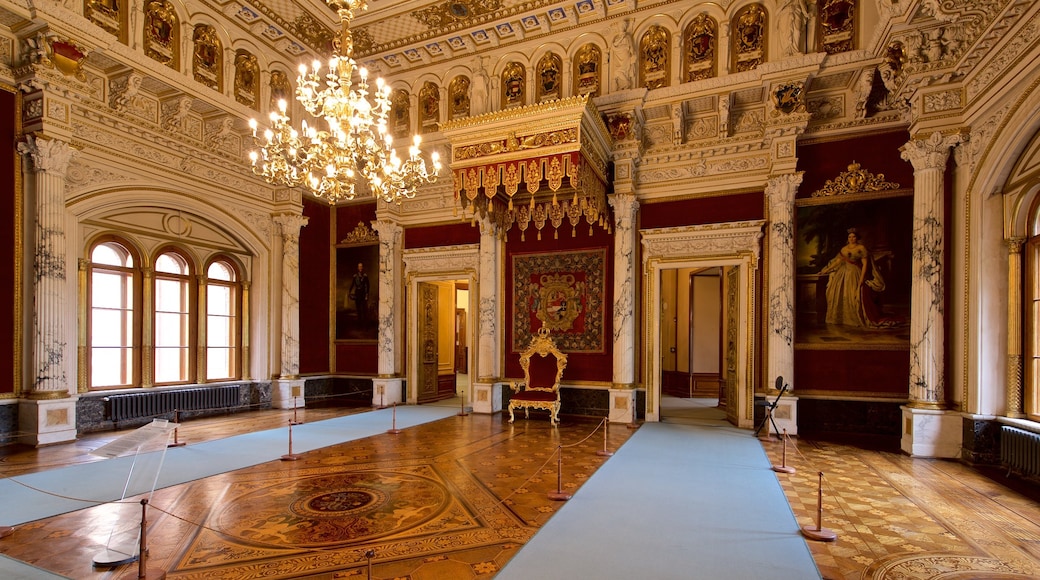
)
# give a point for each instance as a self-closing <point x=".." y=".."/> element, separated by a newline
<point x="127" y="406"/>
<point x="1020" y="450"/>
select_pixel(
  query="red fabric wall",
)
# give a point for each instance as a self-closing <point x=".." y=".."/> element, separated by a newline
<point x="356" y="358"/>
<point x="580" y="366"/>
<point x="445" y="235"/>
<point x="315" y="252"/>
<point x="855" y="372"/>
<point x="8" y="223"/>
<point x="704" y="210"/>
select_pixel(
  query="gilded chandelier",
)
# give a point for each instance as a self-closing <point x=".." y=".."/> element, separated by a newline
<point x="354" y="146"/>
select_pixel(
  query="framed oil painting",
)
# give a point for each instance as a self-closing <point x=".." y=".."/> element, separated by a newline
<point x="853" y="266"/>
<point x="357" y="292"/>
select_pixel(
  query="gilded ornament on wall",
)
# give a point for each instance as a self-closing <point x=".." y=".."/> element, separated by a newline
<point x="161" y="31"/>
<point x="207" y="60"/>
<point x="836" y="25"/>
<point x="429" y="108"/>
<point x="699" y="48"/>
<point x="653" y="58"/>
<point x="316" y="35"/>
<point x="247" y="73"/>
<point x="455" y="12"/>
<point x="109" y="15"/>
<point x="458" y="92"/>
<point x="400" y="118"/>
<point x="587" y="65"/>
<point x="749" y="38"/>
<point x="514" y="80"/>
<point x="550" y="77"/>
<point x="281" y="89"/>
<point x="855" y="180"/>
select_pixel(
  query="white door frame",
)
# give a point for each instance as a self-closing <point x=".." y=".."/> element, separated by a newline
<point x="734" y="244"/>
<point x="440" y="264"/>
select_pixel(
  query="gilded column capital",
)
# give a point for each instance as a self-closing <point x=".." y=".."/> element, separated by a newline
<point x="625" y="206"/>
<point x="930" y="152"/>
<point x="1015" y="245"/>
<point x="48" y="155"/>
<point x="290" y="223"/>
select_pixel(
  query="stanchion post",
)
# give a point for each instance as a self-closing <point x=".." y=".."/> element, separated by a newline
<point x="604" y="452"/>
<point x="559" y="494"/>
<point x="783" y="467"/>
<point x="462" y="405"/>
<point x="176" y="421"/>
<point x="369" y="555"/>
<point x="393" y="425"/>
<point x="295" y="395"/>
<point x="142" y="549"/>
<point x="290" y="456"/>
<point x="819" y="533"/>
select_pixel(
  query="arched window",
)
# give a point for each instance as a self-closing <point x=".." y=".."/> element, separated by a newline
<point x="222" y="329"/>
<point x="112" y="326"/>
<point x="1031" y="303"/>
<point x="173" y="304"/>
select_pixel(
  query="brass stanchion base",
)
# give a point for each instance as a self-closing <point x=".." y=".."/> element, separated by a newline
<point x="6" y="531"/>
<point x="632" y="425"/>
<point x="393" y="431"/>
<point x="177" y="444"/>
<point x="559" y="495"/>
<point x="783" y="469"/>
<point x="462" y="414"/>
<point x="819" y="534"/>
<point x="290" y="457"/>
<point x="604" y="453"/>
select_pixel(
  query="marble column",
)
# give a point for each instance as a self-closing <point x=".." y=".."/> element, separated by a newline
<point x="487" y="389"/>
<point x="780" y="195"/>
<point x="622" y="393"/>
<point x="1014" y="346"/>
<point x="928" y="429"/>
<point x="387" y="388"/>
<point x="287" y="391"/>
<point x="49" y="413"/>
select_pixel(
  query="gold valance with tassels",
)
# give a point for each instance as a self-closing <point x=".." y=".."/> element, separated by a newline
<point x="539" y="165"/>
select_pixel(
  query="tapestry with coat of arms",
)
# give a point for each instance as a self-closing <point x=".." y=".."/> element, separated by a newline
<point x="564" y="292"/>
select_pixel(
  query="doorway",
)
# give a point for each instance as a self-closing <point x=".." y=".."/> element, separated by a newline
<point x="691" y="344"/>
<point x="442" y="372"/>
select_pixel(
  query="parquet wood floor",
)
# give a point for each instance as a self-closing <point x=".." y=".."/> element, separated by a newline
<point x="476" y="489"/>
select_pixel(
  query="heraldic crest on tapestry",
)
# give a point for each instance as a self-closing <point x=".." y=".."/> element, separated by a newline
<point x="562" y="292"/>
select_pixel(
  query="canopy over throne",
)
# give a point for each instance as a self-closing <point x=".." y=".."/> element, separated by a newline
<point x="540" y="388"/>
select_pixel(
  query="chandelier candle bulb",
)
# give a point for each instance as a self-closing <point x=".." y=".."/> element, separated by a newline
<point x="356" y="149"/>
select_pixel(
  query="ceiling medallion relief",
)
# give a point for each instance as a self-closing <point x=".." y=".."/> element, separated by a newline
<point x="455" y="12"/>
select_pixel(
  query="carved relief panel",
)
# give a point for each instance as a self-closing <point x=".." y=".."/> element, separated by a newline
<point x="458" y="93"/>
<point x="700" y="42"/>
<point x="836" y="25"/>
<point x="400" y="116"/>
<point x="110" y="15"/>
<point x="281" y="90"/>
<point x="161" y="31"/>
<point x="429" y="107"/>
<point x="247" y="75"/>
<point x="550" y="77"/>
<point x="749" y="38"/>
<point x="653" y="58"/>
<point x="514" y="84"/>
<point x="587" y="66"/>
<point x="207" y="60"/>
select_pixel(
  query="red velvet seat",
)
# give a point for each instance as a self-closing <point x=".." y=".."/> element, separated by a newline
<point x="540" y="388"/>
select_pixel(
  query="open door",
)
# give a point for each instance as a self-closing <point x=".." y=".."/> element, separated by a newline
<point x="428" y="351"/>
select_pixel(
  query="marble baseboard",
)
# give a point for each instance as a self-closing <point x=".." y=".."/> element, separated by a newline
<point x="981" y="441"/>
<point x="8" y="424"/>
<point x="875" y="421"/>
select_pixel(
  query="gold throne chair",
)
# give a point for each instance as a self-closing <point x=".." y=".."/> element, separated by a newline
<point x="540" y="388"/>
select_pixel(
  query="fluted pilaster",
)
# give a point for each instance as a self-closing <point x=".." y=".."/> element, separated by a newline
<point x="50" y="160"/>
<point x="289" y="225"/>
<point x="489" y="334"/>
<point x="780" y="194"/>
<point x="626" y="207"/>
<point x="390" y="337"/>
<point x="928" y="157"/>
<point x="1014" y="347"/>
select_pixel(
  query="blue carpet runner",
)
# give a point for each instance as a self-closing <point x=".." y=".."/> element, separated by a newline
<point x="675" y="501"/>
